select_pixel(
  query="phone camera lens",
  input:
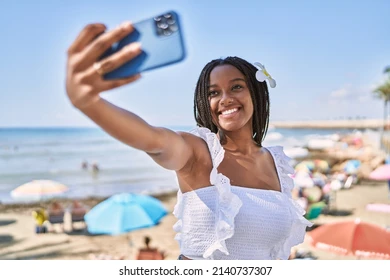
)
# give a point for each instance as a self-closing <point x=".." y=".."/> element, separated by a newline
<point x="173" y="28"/>
<point x="165" y="24"/>
<point x="162" y="25"/>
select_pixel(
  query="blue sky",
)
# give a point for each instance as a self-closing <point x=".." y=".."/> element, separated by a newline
<point x="326" y="56"/>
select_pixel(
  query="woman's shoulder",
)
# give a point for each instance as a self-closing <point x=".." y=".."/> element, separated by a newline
<point x="278" y="153"/>
<point x="198" y="137"/>
<point x="196" y="173"/>
<point x="277" y="149"/>
<point x="192" y="139"/>
<point x="282" y="162"/>
<point x="201" y="132"/>
<point x="198" y="145"/>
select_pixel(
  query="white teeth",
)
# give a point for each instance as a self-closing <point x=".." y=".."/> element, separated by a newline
<point x="227" y="112"/>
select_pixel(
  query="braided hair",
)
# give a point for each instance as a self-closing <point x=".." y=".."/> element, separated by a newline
<point x="258" y="91"/>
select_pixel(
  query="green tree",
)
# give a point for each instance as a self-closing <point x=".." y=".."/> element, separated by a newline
<point x="383" y="92"/>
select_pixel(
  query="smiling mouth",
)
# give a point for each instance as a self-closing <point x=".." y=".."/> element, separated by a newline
<point x="229" y="113"/>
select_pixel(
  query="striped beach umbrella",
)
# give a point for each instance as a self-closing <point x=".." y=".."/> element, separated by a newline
<point x="362" y="239"/>
<point x="39" y="189"/>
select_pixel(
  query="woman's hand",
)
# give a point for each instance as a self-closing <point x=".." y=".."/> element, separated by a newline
<point x="84" y="81"/>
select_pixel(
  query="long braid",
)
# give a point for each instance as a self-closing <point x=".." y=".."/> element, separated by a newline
<point x="258" y="91"/>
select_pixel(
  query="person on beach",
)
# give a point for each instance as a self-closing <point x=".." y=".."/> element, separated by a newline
<point x="40" y="217"/>
<point x="77" y="212"/>
<point x="56" y="209"/>
<point x="84" y="165"/>
<point x="149" y="253"/>
<point x="234" y="200"/>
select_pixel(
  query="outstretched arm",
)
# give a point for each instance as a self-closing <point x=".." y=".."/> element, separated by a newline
<point x="166" y="147"/>
<point x="84" y="85"/>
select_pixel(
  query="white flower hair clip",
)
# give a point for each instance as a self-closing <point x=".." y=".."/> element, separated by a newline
<point x="262" y="75"/>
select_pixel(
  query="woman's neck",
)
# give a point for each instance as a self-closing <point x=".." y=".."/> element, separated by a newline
<point x="240" y="142"/>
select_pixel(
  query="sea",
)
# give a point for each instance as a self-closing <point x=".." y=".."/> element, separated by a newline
<point x="58" y="154"/>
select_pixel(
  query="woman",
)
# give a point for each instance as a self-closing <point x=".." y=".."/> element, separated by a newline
<point x="235" y="199"/>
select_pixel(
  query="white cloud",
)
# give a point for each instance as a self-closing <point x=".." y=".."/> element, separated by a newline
<point x="341" y="92"/>
<point x="60" y="116"/>
<point x="364" y="98"/>
<point x="349" y="92"/>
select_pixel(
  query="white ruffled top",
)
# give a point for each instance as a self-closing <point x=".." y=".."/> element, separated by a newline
<point x="228" y="222"/>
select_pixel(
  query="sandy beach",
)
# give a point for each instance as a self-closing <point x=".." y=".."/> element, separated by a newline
<point x="18" y="240"/>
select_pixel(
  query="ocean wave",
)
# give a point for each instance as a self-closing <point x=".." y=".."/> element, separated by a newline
<point x="128" y="181"/>
<point x="70" y="142"/>
<point x="70" y="174"/>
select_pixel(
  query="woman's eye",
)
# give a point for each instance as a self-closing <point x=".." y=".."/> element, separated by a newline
<point x="237" y="87"/>
<point x="213" y="93"/>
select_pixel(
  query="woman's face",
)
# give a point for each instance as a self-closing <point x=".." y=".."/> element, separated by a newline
<point x="230" y="99"/>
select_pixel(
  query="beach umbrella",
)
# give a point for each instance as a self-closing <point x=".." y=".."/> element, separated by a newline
<point x="319" y="179"/>
<point x="38" y="189"/>
<point x="124" y="212"/>
<point x="378" y="207"/>
<point x="303" y="179"/>
<point x="306" y="164"/>
<point x="352" y="166"/>
<point x="302" y="168"/>
<point x="322" y="165"/>
<point x="313" y="194"/>
<point x="361" y="239"/>
<point x="382" y="173"/>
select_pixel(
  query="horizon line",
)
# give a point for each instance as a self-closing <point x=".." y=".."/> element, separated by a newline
<point x="192" y="125"/>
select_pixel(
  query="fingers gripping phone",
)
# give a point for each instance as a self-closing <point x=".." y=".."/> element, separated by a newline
<point x="162" y="44"/>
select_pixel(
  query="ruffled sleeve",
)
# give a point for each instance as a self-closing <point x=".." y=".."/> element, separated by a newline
<point x="298" y="222"/>
<point x="178" y="213"/>
<point x="228" y="204"/>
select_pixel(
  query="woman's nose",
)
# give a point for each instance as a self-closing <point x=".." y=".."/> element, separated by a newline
<point x="226" y="99"/>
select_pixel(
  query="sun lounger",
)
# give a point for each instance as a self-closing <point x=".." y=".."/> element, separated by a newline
<point x="77" y="217"/>
<point x="77" y="212"/>
<point x="150" y="254"/>
<point x="56" y="218"/>
<point x="56" y="214"/>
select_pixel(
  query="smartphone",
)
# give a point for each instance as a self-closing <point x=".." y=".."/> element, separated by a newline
<point x="162" y="44"/>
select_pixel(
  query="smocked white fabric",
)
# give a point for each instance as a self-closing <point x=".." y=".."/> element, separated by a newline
<point x="238" y="223"/>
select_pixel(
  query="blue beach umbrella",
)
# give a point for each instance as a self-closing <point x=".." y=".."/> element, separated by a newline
<point x="352" y="166"/>
<point x="123" y="213"/>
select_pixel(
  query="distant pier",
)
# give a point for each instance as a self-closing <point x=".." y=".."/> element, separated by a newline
<point x="330" y="124"/>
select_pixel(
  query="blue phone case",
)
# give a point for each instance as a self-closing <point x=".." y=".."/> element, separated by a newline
<point x="161" y="41"/>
